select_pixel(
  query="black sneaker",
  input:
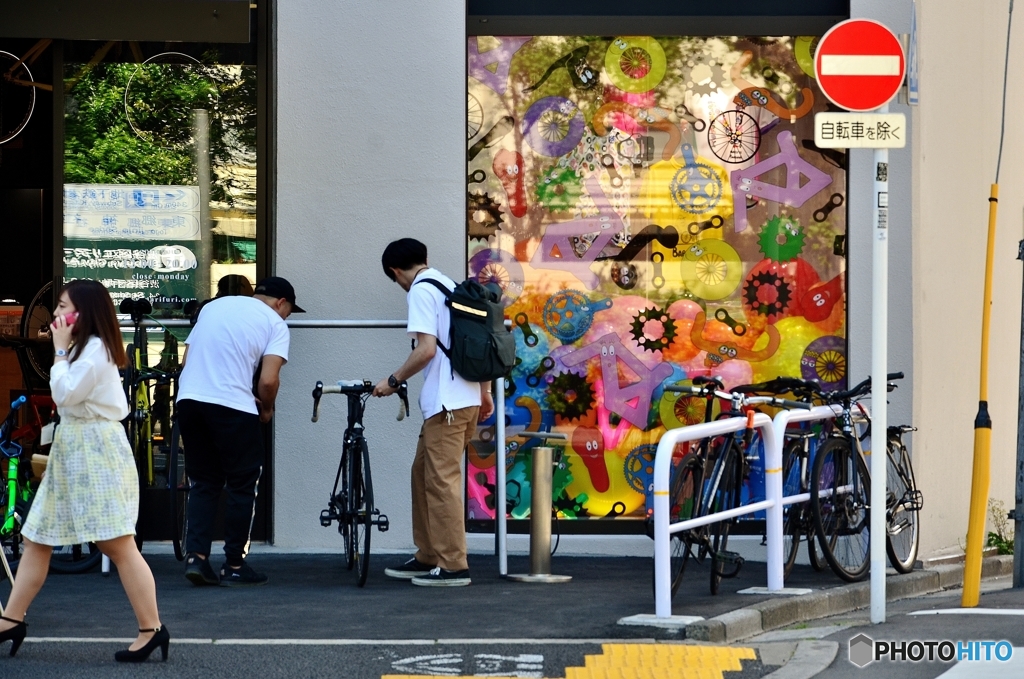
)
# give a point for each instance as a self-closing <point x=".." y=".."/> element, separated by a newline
<point x="241" y="577"/>
<point x="199" y="571"/>
<point x="441" y="577"/>
<point x="408" y="570"/>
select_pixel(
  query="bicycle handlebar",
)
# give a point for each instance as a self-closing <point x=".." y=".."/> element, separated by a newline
<point x="861" y="389"/>
<point x="742" y="398"/>
<point x="8" y="423"/>
<point x="356" y="388"/>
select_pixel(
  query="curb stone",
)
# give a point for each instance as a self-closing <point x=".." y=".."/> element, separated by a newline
<point x="775" y="613"/>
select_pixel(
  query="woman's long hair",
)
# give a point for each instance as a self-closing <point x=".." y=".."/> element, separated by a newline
<point x="96" y="316"/>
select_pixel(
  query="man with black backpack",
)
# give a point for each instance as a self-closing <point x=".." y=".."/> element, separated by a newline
<point x="451" y="404"/>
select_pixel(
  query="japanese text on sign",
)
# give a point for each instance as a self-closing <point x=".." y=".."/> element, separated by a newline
<point x="135" y="212"/>
<point x="860" y="130"/>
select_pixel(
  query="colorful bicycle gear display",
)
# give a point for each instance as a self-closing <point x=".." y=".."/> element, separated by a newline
<point x="654" y="210"/>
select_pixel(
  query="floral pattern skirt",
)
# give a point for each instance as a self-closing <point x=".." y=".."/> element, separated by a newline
<point x="90" y="491"/>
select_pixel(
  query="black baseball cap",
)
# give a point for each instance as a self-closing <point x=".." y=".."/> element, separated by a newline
<point x="275" y="286"/>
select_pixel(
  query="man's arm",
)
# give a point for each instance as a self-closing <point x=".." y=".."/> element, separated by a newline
<point x="269" y="383"/>
<point x="426" y="347"/>
<point x="486" y="401"/>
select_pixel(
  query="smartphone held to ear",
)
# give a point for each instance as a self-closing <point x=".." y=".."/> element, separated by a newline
<point x="70" y="319"/>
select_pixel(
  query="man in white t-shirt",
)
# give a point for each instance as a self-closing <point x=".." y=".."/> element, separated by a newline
<point x="221" y="420"/>
<point x="451" y="409"/>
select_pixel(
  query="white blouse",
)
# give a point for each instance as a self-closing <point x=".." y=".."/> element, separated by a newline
<point x="89" y="388"/>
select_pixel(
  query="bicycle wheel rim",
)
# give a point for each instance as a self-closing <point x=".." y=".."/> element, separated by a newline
<point x="344" y="504"/>
<point x="35" y="321"/>
<point x="793" y="524"/>
<point x="683" y="500"/>
<point x="902" y="525"/>
<point x="841" y="517"/>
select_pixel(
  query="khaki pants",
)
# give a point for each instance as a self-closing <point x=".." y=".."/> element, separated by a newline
<point x="438" y="517"/>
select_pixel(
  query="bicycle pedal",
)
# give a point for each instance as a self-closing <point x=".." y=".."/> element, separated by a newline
<point x="382" y="523"/>
<point x="915" y="502"/>
<point x="732" y="559"/>
<point x="326" y="517"/>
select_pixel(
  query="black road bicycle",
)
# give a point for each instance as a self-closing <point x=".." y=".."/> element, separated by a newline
<point x="351" y="500"/>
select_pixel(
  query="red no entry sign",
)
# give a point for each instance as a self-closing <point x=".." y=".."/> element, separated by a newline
<point x="859" y="65"/>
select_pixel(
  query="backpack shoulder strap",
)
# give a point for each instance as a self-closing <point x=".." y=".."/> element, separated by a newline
<point x="447" y="295"/>
<point x="437" y="284"/>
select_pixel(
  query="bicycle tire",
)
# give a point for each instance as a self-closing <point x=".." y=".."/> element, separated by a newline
<point x="842" y="517"/>
<point x="793" y="526"/>
<point x="178" y="486"/>
<point x="817" y="560"/>
<point x="363" y="523"/>
<point x="683" y="498"/>
<point x="902" y="528"/>
<point x="35" y="321"/>
<point x="725" y="496"/>
<point x="341" y="505"/>
<point x="67" y="559"/>
<point x="73" y="559"/>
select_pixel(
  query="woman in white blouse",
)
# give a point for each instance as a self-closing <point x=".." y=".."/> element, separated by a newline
<point x="90" y="492"/>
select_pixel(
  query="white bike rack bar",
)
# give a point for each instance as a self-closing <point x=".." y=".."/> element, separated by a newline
<point x="662" y="527"/>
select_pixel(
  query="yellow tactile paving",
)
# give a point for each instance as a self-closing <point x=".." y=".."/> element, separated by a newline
<point x="649" y="661"/>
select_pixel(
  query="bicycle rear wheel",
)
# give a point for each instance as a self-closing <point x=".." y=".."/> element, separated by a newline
<point x="902" y="508"/>
<point x="178" y="486"/>
<point x="841" y="514"/>
<point x="361" y="512"/>
<point x="683" y="498"/>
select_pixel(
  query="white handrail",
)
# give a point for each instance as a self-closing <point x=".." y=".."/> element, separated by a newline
<point x="662" y="473"/>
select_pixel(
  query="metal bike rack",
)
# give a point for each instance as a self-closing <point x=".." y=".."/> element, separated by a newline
<point x="540" y="514"/>
<point x="662" y="527"/>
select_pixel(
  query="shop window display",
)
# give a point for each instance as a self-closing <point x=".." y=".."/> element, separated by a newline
<point x="654" y="209"/>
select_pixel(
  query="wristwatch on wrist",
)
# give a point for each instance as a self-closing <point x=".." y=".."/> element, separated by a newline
<point x="392" y="382"/>
<point x="61" y="352"/>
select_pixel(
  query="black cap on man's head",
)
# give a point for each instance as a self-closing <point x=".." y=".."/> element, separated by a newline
<point x="278" y="288"/>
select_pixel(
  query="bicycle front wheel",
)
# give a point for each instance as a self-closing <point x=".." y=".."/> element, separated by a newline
<point x="840" y="497"/>
<point x="77" y="558"/>
<point x="793" y="528"/>
<point x="361" y="512"/>
<point x="902" y="508"/>
<point x="726" y="495"/>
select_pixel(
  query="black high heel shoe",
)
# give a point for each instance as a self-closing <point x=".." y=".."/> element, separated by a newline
<point x="162" y="638"/>
<point x="15" y="635"/>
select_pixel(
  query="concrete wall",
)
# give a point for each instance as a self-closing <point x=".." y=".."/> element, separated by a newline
<point x="370" y="134"/>
<point x="370" y="141"/>
<point x="956" y="143"/>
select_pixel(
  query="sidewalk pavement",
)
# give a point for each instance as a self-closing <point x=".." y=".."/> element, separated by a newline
<point x="314" y="597"/>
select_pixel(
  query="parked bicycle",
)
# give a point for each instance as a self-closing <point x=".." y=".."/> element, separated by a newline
<point x="351" y="499"/>
<point x="841" y="491"/>
<point x="152" y="423"/>
<point x="709" y="480"/>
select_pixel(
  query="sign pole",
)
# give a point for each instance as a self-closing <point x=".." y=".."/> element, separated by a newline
<point x="879" y="370"/>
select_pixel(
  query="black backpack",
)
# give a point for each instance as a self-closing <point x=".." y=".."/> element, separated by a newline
<point x="479" y="347"/>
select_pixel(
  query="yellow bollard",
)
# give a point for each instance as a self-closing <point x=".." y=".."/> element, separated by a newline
<point x="982" y="432"/>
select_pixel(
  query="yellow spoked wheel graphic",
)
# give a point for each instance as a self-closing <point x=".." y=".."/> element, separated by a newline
<point x="635" y="64"/>
<point x="711" y="269"/>
<point x="830" y="366"/>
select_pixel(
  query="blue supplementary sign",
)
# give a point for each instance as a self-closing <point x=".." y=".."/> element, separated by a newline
<point x="913" y="74"/>
<point x="132" y="212"/>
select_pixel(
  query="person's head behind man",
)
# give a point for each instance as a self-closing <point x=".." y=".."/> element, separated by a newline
<point x="279" y="295"/>
<point x="403" y="259"/>
<point x="234" y="285"/>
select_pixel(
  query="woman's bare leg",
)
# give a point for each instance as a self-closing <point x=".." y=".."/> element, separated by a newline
<point x="32" y="570"/>
<point x="138" y="583"/>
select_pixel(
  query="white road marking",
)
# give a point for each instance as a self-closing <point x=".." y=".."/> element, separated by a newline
<point x="342" y="642"/>
<point x="971" y="611"/>
<point x="988" y="669"/>
<point x="860" y="64"/>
